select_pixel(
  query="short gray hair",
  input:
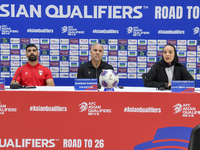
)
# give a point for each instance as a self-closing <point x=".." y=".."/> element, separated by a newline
<point x="97" y="44"/>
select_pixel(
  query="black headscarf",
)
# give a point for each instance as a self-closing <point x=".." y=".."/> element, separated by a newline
<point x="175" y="60"/>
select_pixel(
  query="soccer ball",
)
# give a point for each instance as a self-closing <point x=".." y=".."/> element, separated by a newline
<point x="109" y="79"/>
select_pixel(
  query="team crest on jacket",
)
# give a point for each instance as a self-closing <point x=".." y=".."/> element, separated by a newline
<point x="40" y="72"/>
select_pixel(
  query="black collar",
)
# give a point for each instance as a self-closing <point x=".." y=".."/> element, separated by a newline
<point x="90" y="65"/>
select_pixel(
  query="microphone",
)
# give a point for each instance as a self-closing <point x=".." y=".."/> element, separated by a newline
<point x="99" y="85"/>
<point x="16" y="85"/>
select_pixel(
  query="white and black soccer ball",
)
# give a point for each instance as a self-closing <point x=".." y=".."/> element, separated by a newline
<point x="108" y="79"/>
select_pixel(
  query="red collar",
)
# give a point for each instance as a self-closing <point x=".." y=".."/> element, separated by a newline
<point x="36" y="66"/>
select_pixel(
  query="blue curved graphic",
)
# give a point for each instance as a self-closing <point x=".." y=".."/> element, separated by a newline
<point x="169" y="138"/>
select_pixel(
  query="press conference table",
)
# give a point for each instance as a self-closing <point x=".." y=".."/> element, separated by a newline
<point x="133" y="118"/>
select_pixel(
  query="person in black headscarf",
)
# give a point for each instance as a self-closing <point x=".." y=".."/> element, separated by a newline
<point x="163" y="72"/>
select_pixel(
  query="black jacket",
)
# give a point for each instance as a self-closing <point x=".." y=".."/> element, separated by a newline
<point x="157" y="76"/>
<point x="87" y="70"/>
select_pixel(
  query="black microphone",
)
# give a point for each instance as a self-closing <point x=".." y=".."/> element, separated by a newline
<point x="16" y="85"/>
<point x="99" y="85"/>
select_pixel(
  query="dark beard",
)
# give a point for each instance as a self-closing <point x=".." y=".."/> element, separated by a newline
<point x="30" y="58"/>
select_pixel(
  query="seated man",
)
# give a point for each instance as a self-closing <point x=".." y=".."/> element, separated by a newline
<point x="32" y="73"/>
<point x="93" y="68"/>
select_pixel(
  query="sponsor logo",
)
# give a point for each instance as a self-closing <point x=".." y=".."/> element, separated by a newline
<point x="142" y="65"/>
<point x="73" y="52"/>
<point x="173" y="42"/>
<point x="112" y="47"/>
<point x="4" y="57"/>
<point x="171" y="31"/>
<point x="198" y="54"/>
<point x="198" y="48"/>
<point x="132" y="53"/>
<point x="5" y="40"/>
<point x="43" y="63"/>
<point x="191" y="59"/>
<point x="151" y="53"/>
<point x="35" y="41"/>
<point x="74" y="41"/>
<point x="64" y="52"/>
<point x="122" y="47"/>
<point x="64" y="58"/>
<point x="44" y="52"/>
<point x="82" y="53"/>
<point x="64" y="69"/>
<point x="182" y="54"/>
<point x="64" y="47"/>
<point x="122" y="53"/>
<point x="191" y="65"/>
<point x="192" y="42"/>
<point x="71" y="31"/>
<point x="122" y="58"/>
<point x="5" y="69"/>
<point x="73" y="46"/>
<point x="5" y="46"/>
<point x="13" y="40"/>
<point x="191" y="53"/>
<point x="43" y="57"/>
<point x="149" y="64"/>
<point x="44" y="41"/>
<point x="54" y="46"/>
<point x="24" y="58"/>
<point x="142" y="47"/>
<point x="55" y="75"/>
<point x="5" y="63"/>
<point x="112" y="41"/>
<point x="152" y="42"/>
<point x="181" y="48"/>
<point x="132" y="70"/>
<point x="122" y="75"/>
<point x="73" y="75"/>
<point x="73" y="69"/>
<point x="54" y="41"/>
<point x="64" y="41"/>
<point x="151" y="59"/>
<point x="142" y="53"/>
<point x="93" y="109"/>
<point x="186" y="110"/>
<point x="83" y="58"/>
<point x="114" y="64"/>
<point x="5" y="74"/>
<point x="64" y="75"/>
<point x="131" y="58"/>
<point x="136" y="31"/>
<point x="54" y="52"/>
<point x="6" y="30"/>
<point x="151" y="47"/>
<point x="122" y="41"/>
<point x="122" y="64"/>
<point x="182" y="59"/>
<point x="48" y="108"/>
<point x="191" y="48"/>
<point x="132" y="41"/>
<point x="104" y="31"/>
<point x="73" y="58"/>
<point x="142" y="58"/>
<point x="63" y="63"/>
<point x="142" y="42"/>
<point x="132" y="64"/>
<point x="132" y="47"/>
<point x="160" y="48"/>
<point x="84" y="47"/>
<point x="181" y="42"/>
<point x="23" y="46"/>
<point x="14" y="63"/>
<point x="162" y="42"/>
<point x="54" y="69"/>
<point x="13" y="69"/>
<point x="122" y="70"/>
<point x="54" y="58"/>
<point x="54" y="63"/>
<point x="159" y="53"/>
<point x="93" y="41"/>
<point x="25" y="40"/>
<point x="83" y="41"/>
<point x="15" y="46"/>
<point x="192" y="70"/>
<point x="132" y="76"/>
<point x="44" y="46"/>
<point x="112" y="58"/>
<point x="103" y="41"/>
